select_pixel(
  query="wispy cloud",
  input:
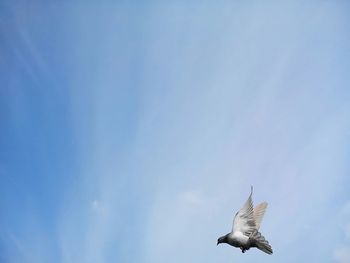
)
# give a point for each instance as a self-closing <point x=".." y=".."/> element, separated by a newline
<point x="342" y="254"/>
<point x="176" y="109"/>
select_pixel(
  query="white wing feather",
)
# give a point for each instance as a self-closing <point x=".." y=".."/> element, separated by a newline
<point x="259" y="212"/>
<point x="244" y="220"/>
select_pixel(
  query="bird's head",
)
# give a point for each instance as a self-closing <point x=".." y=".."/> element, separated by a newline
<point x="221" y="240"/>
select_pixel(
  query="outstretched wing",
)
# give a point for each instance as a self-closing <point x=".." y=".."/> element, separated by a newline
<point x="244" y="220"/>
<point x="259" y="212"/>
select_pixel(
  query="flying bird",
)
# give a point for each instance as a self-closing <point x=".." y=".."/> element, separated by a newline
<point x="245" y="231"/>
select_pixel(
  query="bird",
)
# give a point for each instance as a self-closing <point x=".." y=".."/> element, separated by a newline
<point x="245" y="231"/>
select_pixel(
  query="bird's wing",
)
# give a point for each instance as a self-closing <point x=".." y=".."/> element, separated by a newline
<point x="259" y="212"/>
<point x="244" y="220"/>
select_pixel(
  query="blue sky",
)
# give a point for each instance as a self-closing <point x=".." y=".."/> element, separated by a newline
<point x="132" y="131"/>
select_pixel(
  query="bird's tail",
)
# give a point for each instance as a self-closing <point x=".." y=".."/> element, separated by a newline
<point x="260" y="242"/>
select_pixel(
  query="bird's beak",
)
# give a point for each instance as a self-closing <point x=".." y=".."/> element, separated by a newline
<point x="217" y="243"/>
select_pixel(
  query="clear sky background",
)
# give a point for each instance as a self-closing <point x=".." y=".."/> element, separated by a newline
<point x="131" y="131"/>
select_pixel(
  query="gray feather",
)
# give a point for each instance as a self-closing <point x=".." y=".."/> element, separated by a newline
<point x="260" y="242"/>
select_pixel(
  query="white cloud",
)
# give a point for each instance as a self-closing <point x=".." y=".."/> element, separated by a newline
<point x="95" y="205"/>
<point x="342" y="254"/>
<point x="99" y="208"/>
<point x="190" y="197"/>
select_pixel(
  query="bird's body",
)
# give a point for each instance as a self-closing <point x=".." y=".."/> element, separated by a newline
<point x="237" y="238"/>
<point x="245" y="232"/>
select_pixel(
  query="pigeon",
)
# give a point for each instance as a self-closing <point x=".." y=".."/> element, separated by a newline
<point x="245" y="231"/>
